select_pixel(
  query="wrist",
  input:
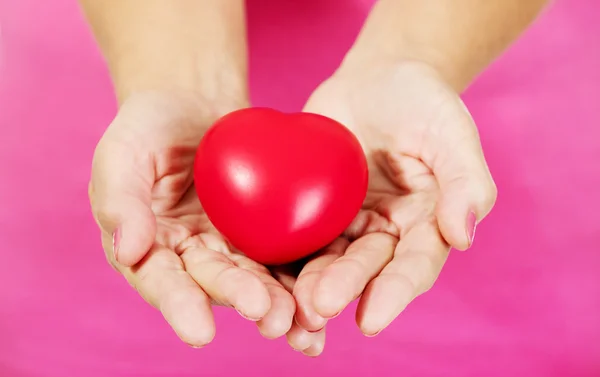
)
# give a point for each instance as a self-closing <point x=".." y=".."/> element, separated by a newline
<point x="185" y="74"/>
<point x="188" y="46"/>
<point x="358" y="62"/>
<point x="404" y="57"/>
<point x="397" y="33"/>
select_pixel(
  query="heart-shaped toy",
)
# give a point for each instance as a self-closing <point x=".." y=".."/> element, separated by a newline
<point x="280" y="186"/>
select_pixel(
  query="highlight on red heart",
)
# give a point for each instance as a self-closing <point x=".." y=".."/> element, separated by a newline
<point x="280" y="186"/>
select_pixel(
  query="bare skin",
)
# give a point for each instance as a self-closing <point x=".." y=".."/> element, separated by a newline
<point x="179" y="65"/>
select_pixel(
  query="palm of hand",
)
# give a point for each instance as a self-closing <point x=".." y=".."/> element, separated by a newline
<point x="187" y="264"/>
<point x="396" y="249"/>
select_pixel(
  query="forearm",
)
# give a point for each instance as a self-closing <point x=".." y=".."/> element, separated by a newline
<point x="180" y="45"/>
<point x="459" y="38"/>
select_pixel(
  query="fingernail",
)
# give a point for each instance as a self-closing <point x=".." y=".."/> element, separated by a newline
<point x="335" y="315"/>
<point x="372" y="335"/>
<point x="116" y="239"/>
<point x="471" y="225"/>
<point x="195" y="347"/>
<point x="246" y="317"/>
<point x="314" y="331"/>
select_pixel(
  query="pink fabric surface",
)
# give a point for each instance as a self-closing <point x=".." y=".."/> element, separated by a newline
<point x="524" y="302"/>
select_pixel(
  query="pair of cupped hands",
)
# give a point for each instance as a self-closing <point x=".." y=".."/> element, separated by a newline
<point x="429" y="186"/>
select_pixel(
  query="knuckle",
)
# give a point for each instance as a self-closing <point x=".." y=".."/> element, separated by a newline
<point x="426" y="286"/>
<point x="91" y="192"/>
<point x="104" y="216"/>
<point x="231" y="272"/>
<point x="406" y="286"/>
<point x="354" y="271"/>
<point x="489" y="195"/>
<point x="493" y="193"/>
<point x="304" y="284"/>
<point x="170" y="299"/>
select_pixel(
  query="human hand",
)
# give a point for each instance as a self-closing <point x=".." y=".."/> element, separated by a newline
<point x="154" y="231"/>
<point x="429" y="187"/>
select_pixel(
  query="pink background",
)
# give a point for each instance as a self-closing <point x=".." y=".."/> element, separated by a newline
<point x="524" y="302"/>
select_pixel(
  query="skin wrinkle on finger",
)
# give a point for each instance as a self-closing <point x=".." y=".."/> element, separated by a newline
<point x="370" y="221"/>
<point x="227" y="283"/>
<point x="246" y="263"/>
<point x="214" y="242"/>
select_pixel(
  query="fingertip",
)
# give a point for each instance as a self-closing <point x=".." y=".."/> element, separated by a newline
<point x="315" y="350"/>
<point x="133" y="239"/>
<point x="298" y="338"/>
<point x="191" y="318"/>
<point x="197" y="340"/>
<point x="254" y="302"/>
<point x="464" y="203"/>
<point x="279" y="319"/>
<point x="275" y="327"/>
<point x="370" y="333"/>
<point x="317" y="346"/>
<point x="330" y="298"/>
<point x="456" y="224"/>
<point x="368" y="326"/>
<point x="311" y="321"/>
<point x="383" y="300"/>
<point x="306" y="315"/>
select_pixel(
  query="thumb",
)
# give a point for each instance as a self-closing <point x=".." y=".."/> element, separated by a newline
<point x="468" y="191"/>
<point x="120" y="194"/>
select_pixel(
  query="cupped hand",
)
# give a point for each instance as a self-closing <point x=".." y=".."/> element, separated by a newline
<point x="429" y="187"/>
<point x="154" y="230"/>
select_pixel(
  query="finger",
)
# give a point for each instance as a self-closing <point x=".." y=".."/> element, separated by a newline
<point x="226" y="283"/>
<point x="309" y="343"/>
<point x="162" y="281"/>
<point x="418" y="260"/>
<point x="468" y="191"/>
<point x="345" y="279"/>
<point x="306" y="285"/>
<point x="278" y="320"/>
<point x="120" y="194"/>
<point x="317" y="346"/>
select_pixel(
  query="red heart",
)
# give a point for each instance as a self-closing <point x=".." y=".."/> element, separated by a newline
<point x="280" y="186"/>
